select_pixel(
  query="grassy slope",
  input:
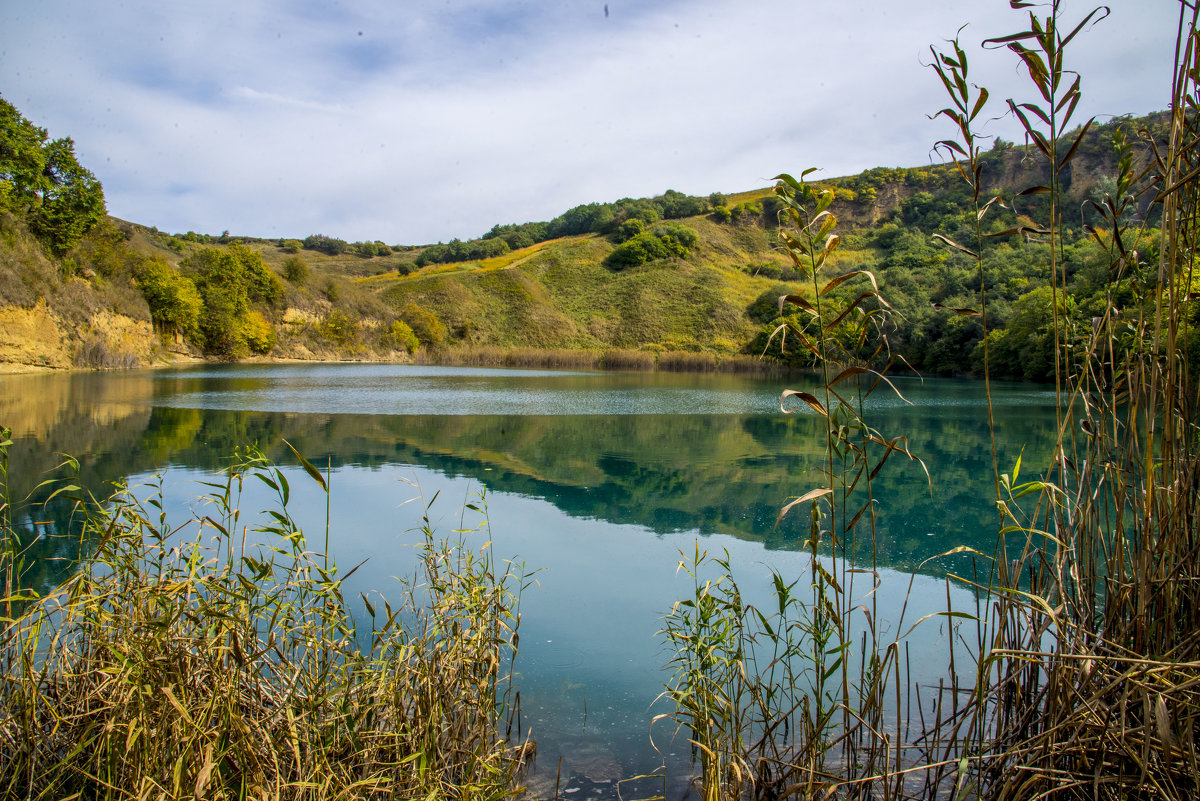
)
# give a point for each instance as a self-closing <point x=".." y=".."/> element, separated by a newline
<point x="554" y="295"/>
<point x="558" y="294"/>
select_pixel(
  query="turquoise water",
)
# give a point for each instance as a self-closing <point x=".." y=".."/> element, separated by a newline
<point x="598" y="481"/>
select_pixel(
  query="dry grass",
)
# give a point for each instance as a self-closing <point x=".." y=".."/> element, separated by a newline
<point x="215" y="661"/>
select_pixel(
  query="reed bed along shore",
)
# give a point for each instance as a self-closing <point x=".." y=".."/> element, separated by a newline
<point x="218" y="659"/>
<point x="626" y="359"/>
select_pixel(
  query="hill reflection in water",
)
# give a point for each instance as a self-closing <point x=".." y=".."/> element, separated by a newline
<point x="599" y="480"/>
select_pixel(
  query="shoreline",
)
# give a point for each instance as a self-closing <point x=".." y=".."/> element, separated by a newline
<point x="624" y="360"/>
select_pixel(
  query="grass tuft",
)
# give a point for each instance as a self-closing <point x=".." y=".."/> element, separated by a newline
<point x="219" y="659"/>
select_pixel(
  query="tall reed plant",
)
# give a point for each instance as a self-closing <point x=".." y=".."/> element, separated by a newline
<point x="801" y="698"/>
<point x="1081" y="675"/>
<point x="1088" y="681"/>
<point x="218" y="658"/>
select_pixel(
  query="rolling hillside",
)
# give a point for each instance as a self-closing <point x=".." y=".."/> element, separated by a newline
<point x="681" y="281"/>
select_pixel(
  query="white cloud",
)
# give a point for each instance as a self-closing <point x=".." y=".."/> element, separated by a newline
<point x="442" y="119"/>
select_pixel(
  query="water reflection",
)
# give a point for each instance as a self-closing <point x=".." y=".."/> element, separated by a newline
<point x="665" y="471"/>
<point x="598" y="479"/>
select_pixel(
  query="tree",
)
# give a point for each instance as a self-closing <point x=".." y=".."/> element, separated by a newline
<point x="259" y="335"/>
<point x="173" y="299"/>
<point x="228" y="280"/>
<point x="424" y="323"/>
<point x="402" y="336"/>
<point x="629" y="229"/>
<point x="666" y="240"/>
<point x="261" y="283"/>
<point x="44" y="182"/>
<point x="328" y="245"/>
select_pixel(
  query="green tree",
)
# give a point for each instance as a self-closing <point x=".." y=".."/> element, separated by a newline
<point x="326" y="244"/>
<point x="22" y="161"/>
<point x="44" y="182"/>
<point x="219" y="280"/>
<point x="174" y="302"/>
<point x="260" y="282"/>
<point x="666" y="240"/>
<point x="258" y="333"/>
<point x="402" y="336"/>
<point x="629" y="229"/>
<point x="228" y="279"/>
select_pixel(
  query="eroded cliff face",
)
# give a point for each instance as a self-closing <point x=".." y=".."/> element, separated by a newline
<point x="31" y="338"/>
<point x="38" y="338"/>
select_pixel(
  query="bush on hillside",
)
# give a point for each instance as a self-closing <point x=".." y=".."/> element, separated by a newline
<point x="665" y="241"/>
<point x="429" y="330"/>
<point x="295" y="269"/>
<point x="174" y="302"/>
<point x="328" y="245"/>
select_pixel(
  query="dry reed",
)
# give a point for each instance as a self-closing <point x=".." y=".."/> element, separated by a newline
<point x="218" y="659"/>
<point x="1076" y="674"/>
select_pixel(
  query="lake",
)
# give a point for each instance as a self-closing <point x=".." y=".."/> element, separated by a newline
<point x="598" y="481"/>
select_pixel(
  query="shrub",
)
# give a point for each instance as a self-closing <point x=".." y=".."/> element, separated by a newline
<point x="665" y="241"/>
<point x="629" y="229"/>
<point x="402" y="336"/>
<point x="295" y="269"/>
<point x="428" y="329"/>
<point x="326" y="244"/>
<point x="258" y="332"/>
<point x="173" y="299"/>
<point x="332" y="293"/>
<point x="337" y="327"/>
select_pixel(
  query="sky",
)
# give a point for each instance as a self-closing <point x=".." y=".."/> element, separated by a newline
<point x="418" y="121"/>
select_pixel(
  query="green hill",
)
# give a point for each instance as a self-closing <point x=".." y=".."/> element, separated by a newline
<point x="682" y="281"/>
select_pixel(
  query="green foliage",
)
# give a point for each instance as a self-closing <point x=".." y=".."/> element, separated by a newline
<point x="328" y="245"/>
<point x="424" y="324"/>
<point x="43" y="182"/>
<point x="765" y="307"/>
<point x="262" y="284"/>
<point x="295" y="269"/>
<point x="457" y="250"/>
<point x="258" y="332"/>
<point x="228" y="281"/>
<point x="174" y="301"/>
<point x="368" y="250"/>
<point x="1025" y="347"/>
<point x="629" y="229"/>
<point x="337" y="327"/>
<point x="402" y="336"/>
<point x="291" y="245"/>
<point x="665" y="241"/>
<point x="219" y="280"/>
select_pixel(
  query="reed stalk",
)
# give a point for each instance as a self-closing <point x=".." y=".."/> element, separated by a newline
<point x="1081" y="675"/>
<point x="217" y="658"/>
